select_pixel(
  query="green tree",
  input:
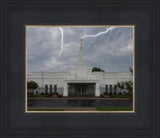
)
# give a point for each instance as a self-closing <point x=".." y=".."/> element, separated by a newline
<point x="97" y="69"/>
<point x="120" y="85"/>
<point x="131" y="70"/>
<point x="32" y="85"/>
<point x="129" y="86"/>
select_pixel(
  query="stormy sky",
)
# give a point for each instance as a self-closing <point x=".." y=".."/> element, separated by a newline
<point x="112" y="51"/>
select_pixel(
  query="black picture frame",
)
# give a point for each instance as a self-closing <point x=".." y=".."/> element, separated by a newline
<point x="144" y="123"/>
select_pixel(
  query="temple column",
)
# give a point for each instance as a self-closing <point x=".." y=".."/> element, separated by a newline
<point x="97" y="90"/>
<point x="65" y="91"/>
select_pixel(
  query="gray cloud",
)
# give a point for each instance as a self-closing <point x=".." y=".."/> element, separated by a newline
<point x="112" y="51"/>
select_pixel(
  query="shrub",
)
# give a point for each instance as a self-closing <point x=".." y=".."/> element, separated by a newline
<point x="55" y="93"/>
<point x="50" y="95"/>
<point x="60" y="95"/>
<point x="42" y="93"/>
<point x="105" y="93"/>
<point x="46" y="93"/>
<point x="54" y="96"/>
<point x="106" y="96"/>
<point x="102" y="95"/>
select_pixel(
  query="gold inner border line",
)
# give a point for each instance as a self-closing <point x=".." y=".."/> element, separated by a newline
<point x="133" y="100"/>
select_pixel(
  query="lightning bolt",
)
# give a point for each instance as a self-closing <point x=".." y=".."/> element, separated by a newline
<point x="96" y="35"/>
<point x="85" y="36"/>
<point x="61" y="30"/>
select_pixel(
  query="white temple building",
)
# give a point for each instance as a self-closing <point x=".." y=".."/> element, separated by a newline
<point x="79" y="81"/>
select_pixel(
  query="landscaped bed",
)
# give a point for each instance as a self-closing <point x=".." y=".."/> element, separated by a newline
<point x="59" y="96"/>
<point x="49" y="95"/>
<point x="38" y="96"/>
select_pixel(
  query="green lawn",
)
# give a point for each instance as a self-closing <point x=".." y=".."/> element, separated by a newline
<point x="114" y="108"/>
<point x="98" y="108"/>
<point x="45" y="109"/>
<point x="122" y="96"/>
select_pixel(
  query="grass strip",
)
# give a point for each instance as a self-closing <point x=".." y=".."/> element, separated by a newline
<point x="45" y="109"/>
<point x="114" y="108"/>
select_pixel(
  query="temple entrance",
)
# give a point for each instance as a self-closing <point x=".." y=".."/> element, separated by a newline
<point x="81" y="89"/>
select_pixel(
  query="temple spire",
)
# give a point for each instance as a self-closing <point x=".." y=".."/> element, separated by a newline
<point x="81" y="61"/>
<point x="81" y="41"/>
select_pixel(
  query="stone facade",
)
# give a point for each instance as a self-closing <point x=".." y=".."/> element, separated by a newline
<point x="81" y="74"/>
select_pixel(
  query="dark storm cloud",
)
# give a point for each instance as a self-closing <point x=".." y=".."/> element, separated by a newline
<point x="112" y="51"/>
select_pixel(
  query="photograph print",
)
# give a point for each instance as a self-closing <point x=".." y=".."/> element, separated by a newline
<point x="80" y="68"/>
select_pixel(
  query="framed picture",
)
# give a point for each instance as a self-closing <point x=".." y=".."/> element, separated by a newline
<point x="67" y="69"/>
